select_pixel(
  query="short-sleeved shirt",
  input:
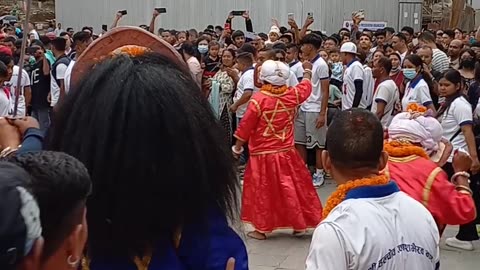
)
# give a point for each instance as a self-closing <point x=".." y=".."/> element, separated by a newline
<point x="440" y="61"/>
<point x="54" y="87"/>
<point x="416" y="91"/>
<point x="40" y="86"/>
<point x="245" y="83"/>
<point x="297" y="68"/>
<point x="22" y="110"/>
<point x="68" y="76"/>
<point x="391" y="232"/>
<point x="292" y="80"/>
<point x="457" y="115"/>
<point x="368" y="85"/>
<point x="386" y="92"/>
<point x="353" y="72"/>
<point x="320" y="72"/>
<point x="5" y="104"/>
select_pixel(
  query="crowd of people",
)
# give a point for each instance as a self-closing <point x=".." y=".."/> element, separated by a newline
<point x="168" y="120"/>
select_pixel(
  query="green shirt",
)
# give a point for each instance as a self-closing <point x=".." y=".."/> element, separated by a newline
<point x="50" y="57"/>
<point x="335" y="94"/>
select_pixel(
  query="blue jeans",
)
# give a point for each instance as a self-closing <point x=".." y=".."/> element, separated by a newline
<point x="244" y="157"/>
<point x="43" y="118"/>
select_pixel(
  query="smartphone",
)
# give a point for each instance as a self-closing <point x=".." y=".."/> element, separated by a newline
<point x="360" y="14"/>
<point x="123" y="12"/>
<point x="105" y="27"/>
<point x="227" y="26"/>
<point x="161" y="10"/>
<point x="238" y="12"/>
<point x="310" y="14"/>
<point x="291" y="16"/>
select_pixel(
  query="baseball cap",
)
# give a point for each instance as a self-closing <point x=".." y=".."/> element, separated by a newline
<point x="349" y="47"/>
<point x="19" y="216"/>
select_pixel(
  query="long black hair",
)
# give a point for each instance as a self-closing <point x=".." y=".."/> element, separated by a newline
<point x="153" y="149"/>
<point x="454" y="77"/>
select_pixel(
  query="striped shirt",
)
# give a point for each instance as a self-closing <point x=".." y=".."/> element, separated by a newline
<point x="440" y="61"/>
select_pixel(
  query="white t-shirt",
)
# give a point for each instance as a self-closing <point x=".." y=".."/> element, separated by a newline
<point x="13" y="86"/>
<point x="292" y="80"/>
<point x="297" y="68"/>
<point x="387" y="92"/>
<point x="244" y="83"/>
<point x="368" y="85"/>
<point x="320" y="72"/>
<point x="353" y="72"/>
<point x="68" y="75"/>
<point x="5" y="106"/>
<point x="403" y="55"/>
<point x="388" y="233"/>
<point x="55" y="88"/>
<point x="458" y="114"/>
<point x="416" y="91"/>
<point x="35" y="35"/>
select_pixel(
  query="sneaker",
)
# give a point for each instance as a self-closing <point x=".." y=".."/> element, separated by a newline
<point x="318" y="179"/>
<point x="454" y="242"/>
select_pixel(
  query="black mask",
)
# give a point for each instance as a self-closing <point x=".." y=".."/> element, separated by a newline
<point x="468" y="63"/>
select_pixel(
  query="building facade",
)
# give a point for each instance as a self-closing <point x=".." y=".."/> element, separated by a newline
<point x="185" y="14"/>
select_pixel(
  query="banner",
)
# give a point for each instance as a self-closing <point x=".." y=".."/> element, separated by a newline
<point x="370" y="25"/>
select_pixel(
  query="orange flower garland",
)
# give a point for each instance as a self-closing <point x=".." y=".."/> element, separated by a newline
<point x="401" y="149"/>
<point x="340" y="194"/>
<point x="415" y="108"/>
<point x="276" y="90"/>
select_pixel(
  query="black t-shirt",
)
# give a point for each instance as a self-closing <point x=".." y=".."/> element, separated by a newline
<point x="40" y="85"/>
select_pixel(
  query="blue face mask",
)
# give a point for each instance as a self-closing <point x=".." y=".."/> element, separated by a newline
<point x="409" y="73"/>
<point x="203" y="49"/>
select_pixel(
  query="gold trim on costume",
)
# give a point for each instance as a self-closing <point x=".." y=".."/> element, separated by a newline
<point x="269" y="117"/>
<point x="271" y="152"/>
<point x="428" y="185"/>
<point x="254" y="102"/>
<point x="273" y="95"/>
<point x="403" y="159"/>
<point x="296" y="94"/>
<point x="239" y="138"/>
<point x="386" y="171"/>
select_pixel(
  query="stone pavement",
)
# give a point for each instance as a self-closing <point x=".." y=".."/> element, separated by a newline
<point x="283" y="252"/>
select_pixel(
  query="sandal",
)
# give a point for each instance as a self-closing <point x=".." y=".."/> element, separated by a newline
<point x="257" y="235"/>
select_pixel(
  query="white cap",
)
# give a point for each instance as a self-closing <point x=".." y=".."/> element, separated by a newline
<point x="349" y="47"/>
<point x="275" y="72"/>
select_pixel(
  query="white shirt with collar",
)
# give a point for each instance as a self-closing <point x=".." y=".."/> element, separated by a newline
<point x="376" y="228"/>
<point x="297" y="68"/>
<point x="354" y="71"/>
<point x="320" y="72"/>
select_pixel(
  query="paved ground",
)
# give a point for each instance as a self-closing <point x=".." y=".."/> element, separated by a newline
<point x="283" y="252"/>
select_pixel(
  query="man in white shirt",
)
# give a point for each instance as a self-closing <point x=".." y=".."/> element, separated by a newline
<point x="59" y="30"/>
<point x="25" y="92"/>
<point x="292" y="60"/>
<point x="440" y="61"/>
<point x="245" y="85"/>
<point x="375" y="226"/>
<point x="81" y="40"/>
<point x="311" y="122"/>
<point x="11" y="84"/>
<point x="353" y="79"/>
<point x="33" y="34"/>
<point x="58" y="70"/>
<point x="399" y="44"/>
<point x="387" y="95"/>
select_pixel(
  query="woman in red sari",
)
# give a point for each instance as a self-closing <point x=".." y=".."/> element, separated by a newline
<point x="278" y="192"/>
<point x="416" y="153"/>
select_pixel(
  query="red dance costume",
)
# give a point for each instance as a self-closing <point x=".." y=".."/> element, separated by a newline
<point x="427" y="183"/>
<point x="278" y="192"/>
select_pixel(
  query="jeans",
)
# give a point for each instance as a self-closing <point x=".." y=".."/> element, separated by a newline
<point x="43" y="118"/>
<point x="244" y="157"/>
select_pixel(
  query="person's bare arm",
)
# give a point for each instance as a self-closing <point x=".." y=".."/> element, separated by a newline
<point x="28" y="95"/>
<point x="295" y="29"/>
<point x="380" y="109"/>
<point x="472" y="148"/>
<point x="309" y="21"/>
<point x="243" y="99"/>
<point x="46" y="67"/>
<point x="118" y="16"/>
<point x="151" y="28"/>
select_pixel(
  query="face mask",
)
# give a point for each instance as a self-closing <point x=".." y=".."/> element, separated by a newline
<point x="203" y="49"/>
<point x="409" y="73"/>
<point x="468" y="63"/>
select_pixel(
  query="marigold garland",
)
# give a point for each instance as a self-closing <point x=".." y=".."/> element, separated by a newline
<point x="340" y="194"/>
<point x="276" y="90"/>
<point x="416" y="108"/>
<point x="401" y="149"/>
<point x="131" y="50"/>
